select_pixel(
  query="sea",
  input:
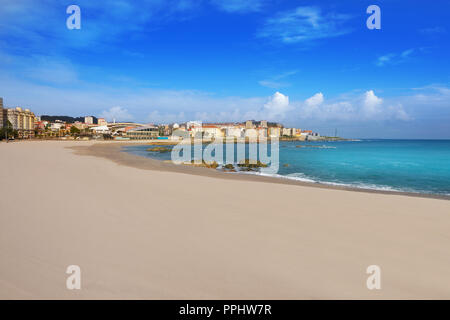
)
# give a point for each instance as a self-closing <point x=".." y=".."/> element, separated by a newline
<point x="413" y="166"/>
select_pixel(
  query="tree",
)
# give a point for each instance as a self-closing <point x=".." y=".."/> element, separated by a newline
<point x="74" y="130"/>
<point x="8" y="130"/>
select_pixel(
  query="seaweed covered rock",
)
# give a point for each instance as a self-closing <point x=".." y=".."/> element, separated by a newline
<point x="252" y="164"/>
<point x="205" y="164"/>
<point x="159" y="149"/>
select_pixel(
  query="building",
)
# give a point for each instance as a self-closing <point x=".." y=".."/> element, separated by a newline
<point x="251" y="133"/>
<point x="141" y="133"/>
<point x="249" y="124"/>
<point x="235" y="132"/>
<point x="289" y="132"/>
<point x="89" y="120"/>
<point x="20" y="120"/>
<point x="191" y="124"/>
<point x="102" y="122"/>
<point x="56" y="126"/>
<point x="79" y="125"/>
<point x="39" y="125"/>
<point x="101" y="130"/>
<point x="1" y="112"/>
<point x="196" y="131"/>
<point x="212" y="132"/>
<point x="274" y="131"/>
<point x="262" y="132"/>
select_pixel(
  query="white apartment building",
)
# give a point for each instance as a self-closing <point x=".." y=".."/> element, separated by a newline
<point x="89" y="120"/>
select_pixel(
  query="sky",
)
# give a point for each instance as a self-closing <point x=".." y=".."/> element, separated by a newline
<point x="306" y="64"/>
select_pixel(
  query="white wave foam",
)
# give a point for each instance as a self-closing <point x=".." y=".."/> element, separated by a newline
<point x="298" y="176"/>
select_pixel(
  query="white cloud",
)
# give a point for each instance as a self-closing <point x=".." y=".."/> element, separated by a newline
<point x="274" y="82"/>
<point x="433" y="30"/>
<point x="304" y="24"/>
<point x="394" y="58"/>
<point x="276" y="107"/>
<point x="382" y="60"/>
<point x="116" y="113"/>
<point x="371" y="105"/>
<point x="398" y="112"/>
<point x="312" y="104"/>
<point x="357" y="109"/>
<point x="158" y="117"/>
<point x="315" y="100"/>
<point x="239" y="6"/>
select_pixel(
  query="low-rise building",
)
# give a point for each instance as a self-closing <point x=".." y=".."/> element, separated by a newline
<point x="290" y="132"/>
<point x="235" y="132"/>
<point x="191" y="124"/>
<point x="80" y="125"/>
<point x="102" y="122"/>
<point x="56" y="126"/>
<point x="101" y="130"/>
<point x="274" y="132"/>
<point x="251" y="133"/>
<point x="40" y="125"/>
<point x="141" y="133"/>
<point x="262" y="132"/>
<point x="212" y="132"/>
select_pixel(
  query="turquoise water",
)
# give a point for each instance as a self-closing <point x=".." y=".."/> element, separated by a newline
<point x="421" y="166"/>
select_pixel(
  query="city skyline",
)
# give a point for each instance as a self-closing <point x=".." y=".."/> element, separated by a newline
<point x="298" y="63"/>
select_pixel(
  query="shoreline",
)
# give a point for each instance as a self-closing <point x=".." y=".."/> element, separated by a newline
<point x="112" y="150"/>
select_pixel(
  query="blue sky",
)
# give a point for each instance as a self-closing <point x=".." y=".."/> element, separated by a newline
<point x="309" y="64"/>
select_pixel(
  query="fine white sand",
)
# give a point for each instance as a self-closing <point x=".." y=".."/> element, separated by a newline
<point x="156" y="234"/>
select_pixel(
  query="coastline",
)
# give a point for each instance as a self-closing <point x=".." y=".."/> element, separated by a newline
<point x="112" y="150"/>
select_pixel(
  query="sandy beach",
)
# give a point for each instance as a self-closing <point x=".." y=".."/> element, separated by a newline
<point x="143" y="229"/>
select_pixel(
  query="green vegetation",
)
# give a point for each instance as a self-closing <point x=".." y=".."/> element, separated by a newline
<point x="8" y="129"/>
<point x="74" y="130"/>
